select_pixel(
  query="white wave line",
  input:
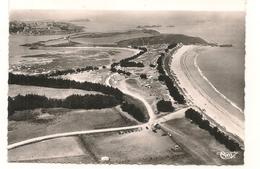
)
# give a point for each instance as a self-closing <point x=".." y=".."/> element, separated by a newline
<point x="205" y="78"/>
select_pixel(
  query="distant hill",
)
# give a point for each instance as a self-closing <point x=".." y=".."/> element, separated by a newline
<point x="163" y="38"/>
<point x="129" y="33"/>
<point x="43" y="28"/>
<point x="80" y="20"/>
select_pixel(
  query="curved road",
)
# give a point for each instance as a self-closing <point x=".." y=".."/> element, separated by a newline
<point x="123" y="87"/>
<point x="201" y="93"/>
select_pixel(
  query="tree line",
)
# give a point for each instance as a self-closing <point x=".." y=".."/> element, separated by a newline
<point x="41" y="80"/>
<point x="32" y="101"/>
<point x="126" y="62"/>
<point x="174" y="92"/>
<point x="131" y="64"/>
<point x="70" y="71"/>
<point x="220" y="136"/>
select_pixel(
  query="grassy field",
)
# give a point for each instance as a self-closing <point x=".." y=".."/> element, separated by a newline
<point x="98" y="76"/>
<point x="67" y="58"/>
<point x="87" y="149"/>
<point x="140" y="147"/>
<point x="48" y="149"/>
<point x="152" y="94"/>
<point x="55" y="93"/>
<point x="39" y="122"/>
<point x="202" y="142"/>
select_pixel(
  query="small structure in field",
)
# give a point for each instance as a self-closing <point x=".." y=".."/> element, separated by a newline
<point x="105" y="159"/>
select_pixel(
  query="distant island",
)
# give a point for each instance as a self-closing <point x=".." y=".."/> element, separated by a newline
<point x="149" y="26"/>
<point x="226" y="45"/>
<point x="171" y="26"/>
<point x="43" y="28"/>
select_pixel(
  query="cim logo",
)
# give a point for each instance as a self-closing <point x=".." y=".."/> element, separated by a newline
<point x="227" y="155"/>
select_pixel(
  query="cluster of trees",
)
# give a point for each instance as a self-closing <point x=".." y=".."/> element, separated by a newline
<point x="220" y="136"/>
<point x="74" y="102"/>
<point x="69" y="71"/>
<point x="173" y="45"/>
<point x="134" y="111"/>
<point x="165" y="106"/>
<point x="174" y="92"/>
<point x="152" y="65"/>
<point x="44" y="81"/>
<point x="143" y="76"/>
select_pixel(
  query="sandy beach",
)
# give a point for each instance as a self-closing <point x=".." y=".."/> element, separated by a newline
<point x="202" y="94"/>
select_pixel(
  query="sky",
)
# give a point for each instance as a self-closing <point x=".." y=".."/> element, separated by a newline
<point x="197" y="5"/>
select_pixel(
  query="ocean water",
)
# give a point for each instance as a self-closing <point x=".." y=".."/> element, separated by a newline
<point x="224" y="67"/>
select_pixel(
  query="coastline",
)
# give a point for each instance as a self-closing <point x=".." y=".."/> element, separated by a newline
<point x="200" y="93"/>
<point x="221" y="94"/>
<point x="224" y="68"/>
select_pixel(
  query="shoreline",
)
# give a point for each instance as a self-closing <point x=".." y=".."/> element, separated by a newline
<point x="191" y="81"/>
<point x="221" y="94"/>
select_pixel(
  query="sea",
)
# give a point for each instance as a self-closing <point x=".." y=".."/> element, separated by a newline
<point x="224" y="67"/>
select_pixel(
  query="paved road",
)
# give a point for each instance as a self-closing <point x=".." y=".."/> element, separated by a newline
<point x="203" y="95"/>
<point x="37" y="139"/>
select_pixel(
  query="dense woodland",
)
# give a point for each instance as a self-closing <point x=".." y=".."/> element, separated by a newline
<point x="174" y="92"/>
<point x="220" y="136"/>
<point x="31" y="101"/>
<point x="134" y="111"/>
